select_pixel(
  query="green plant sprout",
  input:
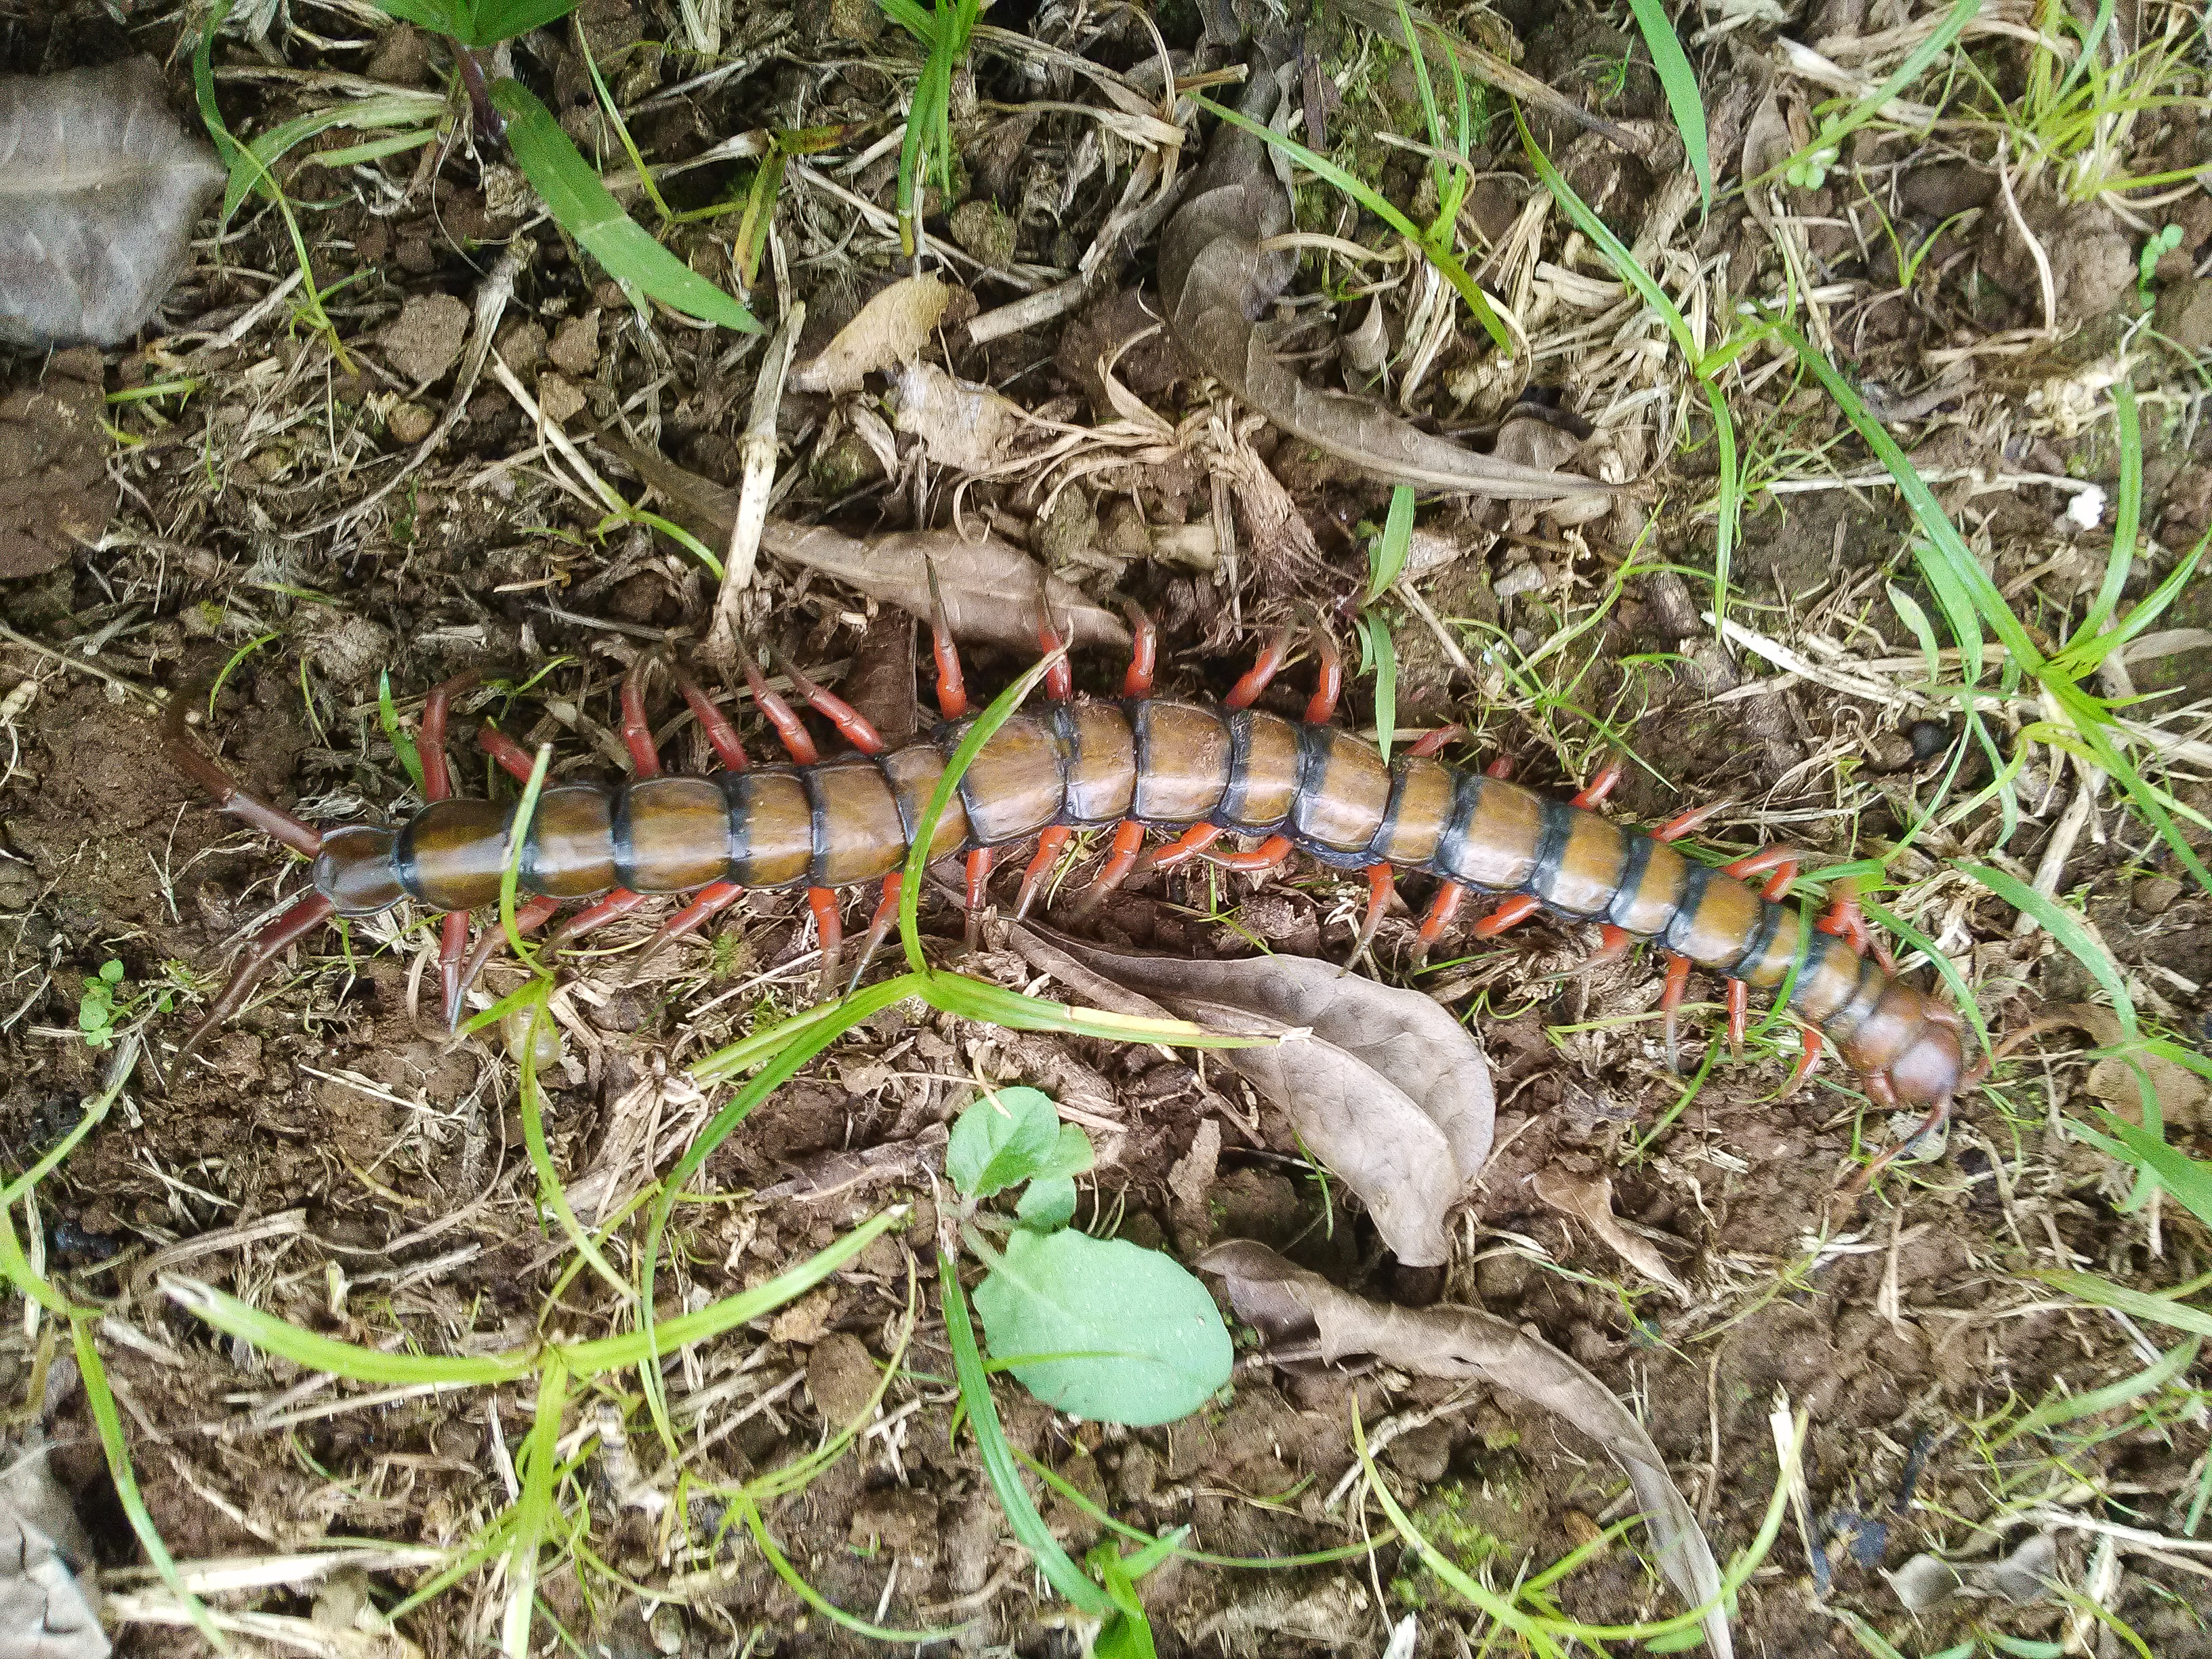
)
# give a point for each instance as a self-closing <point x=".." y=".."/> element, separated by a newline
<point x="943" y="34"/>
<point x="2162" y="243"/>
<point x="103" y="1011"/>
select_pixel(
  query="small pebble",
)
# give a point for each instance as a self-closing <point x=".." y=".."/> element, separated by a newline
<point x="427" y="339"/>
<point x="1928" y="738"/>
<point x="2156" y="895"/>
<point x="410" y="423"/>
<point x="576" y="348"/>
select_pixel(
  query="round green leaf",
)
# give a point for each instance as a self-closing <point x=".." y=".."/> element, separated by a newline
<point x="1003" y="1137"/>
<point x="1102" y="1329"/>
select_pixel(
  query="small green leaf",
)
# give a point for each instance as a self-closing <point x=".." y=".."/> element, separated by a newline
<point x="581" y="204"/>
<point x="1003" y="1137"/>
<point x="495" y="20"/>
<point x="1072" y="1153"/>
<point x="440" y="17"/>
<point x="1104" y="1329"/>
<point x="1048" y="1204"/>
<point x="111" y="971"/>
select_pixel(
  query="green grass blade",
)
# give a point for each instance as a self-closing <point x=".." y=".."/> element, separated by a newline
<point x="998" y="1457"/>
<point x="2127" y="511"/>
<point x="534" y="1510"/>
<point x="2067" y="928"/>
<point x="580" y="203"/>
<point x="1387" y="559"/>
<point x="317" y="1353"/>
<point x="2188" y="1180"/>
<point x="2168" y="1309"/>
<point x="780" y="1564"/>
<point x="2067" y="1408"/>
<point x="1384" y="651"/>
<point x="1680" y="82"/>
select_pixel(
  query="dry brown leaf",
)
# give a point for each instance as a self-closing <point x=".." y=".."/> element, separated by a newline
<point x="1588" y="1199"/>
<point x="2181" y="1094"/>
<point x="963" y="426"/>
<point x="992" y="589"/>
<point x="99" y="191"/>
<point x="1385" y="1086"/>
<point x="49" y="1589"/>
<point x="891" y="328"/>
<point x="1294" y="1308"/>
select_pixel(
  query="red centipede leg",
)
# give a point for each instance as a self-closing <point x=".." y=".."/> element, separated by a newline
<point x="636" y="731"/>
<point x="881" y="923"/>
<point x="852" y="724"/>
<point x="528" y="919"/>
<point x="1612" y="942"/>
<point x="1060" y="678"/>
<point x="980" y="864"/>
<point x="1143" y="652"/>
<point x="1194" y="841"/>
<point x="1261" y="859"/>
<point x="830" y="932"/>
<point x="1321" y="708"/>
<point x="271" y="820"/>
<point x="302" y="919"/>
<point x="710" y="902"/>
<point x="1808" y="1055"/>
<point x="1129" y="839"/>
<point x="1440" y="912"/>
<point x="1247" y="691"/>
<point x="1511" y="914"/>
<point x="1434" y="743"/>
<point x="1049" y="846"/>
<point x="721" y="736"/>
<point x="1846" y="921"/>
<point x="1783" y="861"/>
<point x="513" y="759"/>
<point x="452" y="947"/>
<point x="1682" y="822"/>
<point x="1501" y="769"/>
<point x="1670" y="999"/>
<point x="952" y="688"/>
<point x="1382" y="882"/>
<point x="431" y="749"/>
<point x="618" y="903"/>
<point x="790" y="731"/>
<point x="1600" y="786"/>
<point x="1738" y="1014"/>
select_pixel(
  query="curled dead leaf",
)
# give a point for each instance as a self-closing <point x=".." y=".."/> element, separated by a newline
<point x="1385" y="1086"/>
<point x="993" y="590"/>
<point x="891" y="328"/>
<point x="1588" y="1199"/>
<point x="2181" y="1093"/>
<point x="49" y="1582"/>
<point x="1293" y="1307"/>
<point x="963" y="426"/>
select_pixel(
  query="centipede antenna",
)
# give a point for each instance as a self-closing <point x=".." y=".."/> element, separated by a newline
<point x="951" y="686"/>
<point x="250" y="810"/>
<point x="302" y="919"/>
<point x="1144" y="651"/>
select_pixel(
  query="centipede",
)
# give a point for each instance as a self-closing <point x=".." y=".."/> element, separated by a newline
<point x="1128" y="767"/>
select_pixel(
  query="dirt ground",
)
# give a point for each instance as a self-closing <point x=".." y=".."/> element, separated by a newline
<point x="334" y="1159"/>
